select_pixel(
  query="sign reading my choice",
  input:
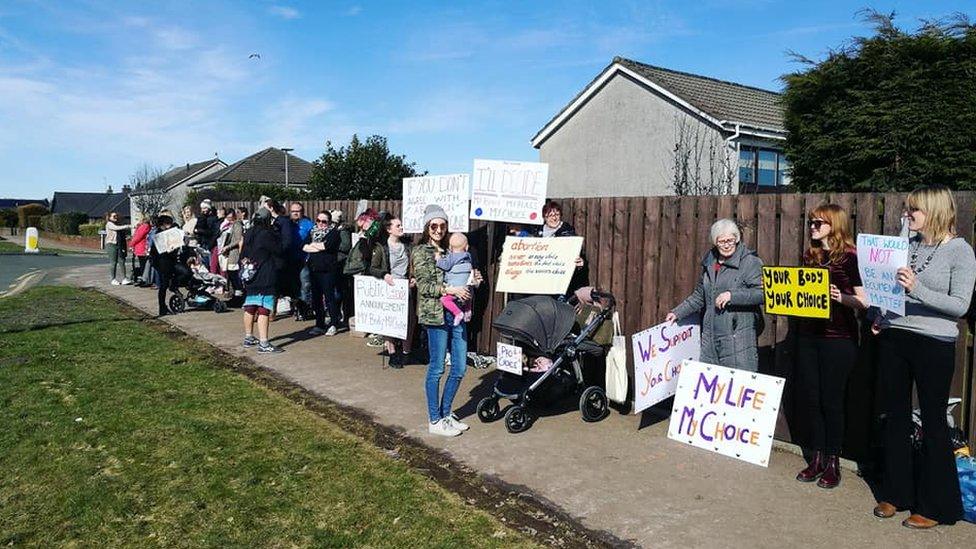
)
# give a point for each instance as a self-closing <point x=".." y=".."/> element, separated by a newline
<point x="797" y="291"/>
<point x="509" y="191"/>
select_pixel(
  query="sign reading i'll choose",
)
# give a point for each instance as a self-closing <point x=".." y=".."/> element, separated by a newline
<point x="797" y="291"/>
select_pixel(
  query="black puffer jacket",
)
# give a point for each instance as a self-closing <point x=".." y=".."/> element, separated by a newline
<point x="263" y="248"/>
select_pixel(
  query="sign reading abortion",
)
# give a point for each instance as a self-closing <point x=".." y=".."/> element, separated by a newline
<point x="797" y="291"/>
<point x="450" y="192"/>
<point x="538" y="265"/>
<point x="878" y="259"/>
<point x="508" y="358"/>
<point x="380" y="307"/>
<point x="658" y="354"/>
<point x="509" y="191"/>
<point x="732" y="412"/>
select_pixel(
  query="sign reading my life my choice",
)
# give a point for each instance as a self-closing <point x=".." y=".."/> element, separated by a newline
<point x="509" y="191"/>
<point x="538" y="265"/>
<point x="658" y="354"/>
<point x="796" y="291"/>
<point x="732" y="412"/>
<point x="380" y="307"/>
<point x="450" y="192"/>
<point x="878" y="259"/>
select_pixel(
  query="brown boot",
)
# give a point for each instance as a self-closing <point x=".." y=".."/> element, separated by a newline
<point x="919" y="522"/>
<point x="814" y="470"/>
<point x="831" y="474"/>
<point x="884" y="510"/>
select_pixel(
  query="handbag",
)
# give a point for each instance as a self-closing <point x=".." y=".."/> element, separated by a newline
<point x="616" y="375"/>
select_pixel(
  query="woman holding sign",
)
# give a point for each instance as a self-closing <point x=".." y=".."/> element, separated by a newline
<point x="827" y="348"/>
<point x="553" y="225"/>
<point x="919" y="349"/>
<point x="442" y="332"/>
<point x="728" y="296"/>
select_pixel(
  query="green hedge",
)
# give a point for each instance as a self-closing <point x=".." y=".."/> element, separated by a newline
<point x="63" y="223"/>
<point x="29" y="214"/>
<point x="8" y="217"/>
<point x="90" y="229"/>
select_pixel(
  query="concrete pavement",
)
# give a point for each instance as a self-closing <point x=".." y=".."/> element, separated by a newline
<point x="613" y="476"/>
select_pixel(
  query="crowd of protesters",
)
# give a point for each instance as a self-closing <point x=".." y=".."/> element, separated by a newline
<point x="277" y="253"/>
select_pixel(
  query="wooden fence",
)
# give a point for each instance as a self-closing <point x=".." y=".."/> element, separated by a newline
<point x="646" y="251"/>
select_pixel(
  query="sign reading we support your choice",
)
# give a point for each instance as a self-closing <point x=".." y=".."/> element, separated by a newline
<point x="510" y="191"/>
<point x="450" y="192"/>
<point x="538" y="265"/>
<point x="659" y="352"/>
<point x="796" y="291"/>
<point x="878" y="259"/>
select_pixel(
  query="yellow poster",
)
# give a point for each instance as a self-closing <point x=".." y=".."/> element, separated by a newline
<point x="797" y="291"/>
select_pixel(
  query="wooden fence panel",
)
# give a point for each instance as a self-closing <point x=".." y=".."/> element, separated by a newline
<point x="667" y="298"/>
<point x="621" y="248"/>
<point x="686" y="270"/>
<point x="893" y="209"/>
<point x="651" y="281"/>
<point x="746" y="217"/>
<point x="607" y="257"/>
<point x="766" y="245"/>
<point x="634" y="289"/>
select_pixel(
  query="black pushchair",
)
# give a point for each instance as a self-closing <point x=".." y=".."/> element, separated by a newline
<point x="192" y="290"/>
<point x="544" y="327"/>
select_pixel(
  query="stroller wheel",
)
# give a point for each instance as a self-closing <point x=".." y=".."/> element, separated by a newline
<point x="517" y="419"/>
<point x="488" y="409"/>
<point x="593" y="404"/>
<point x="219" y="306"/>
<point x="177" y="304"/>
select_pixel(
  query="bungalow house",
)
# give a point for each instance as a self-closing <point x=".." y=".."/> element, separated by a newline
<point x="94" y="205"/>
<point x="13" y="203"/>
<point x="641" y="130"/>
<point x="177" y="182"/>
<point x="270" y="166"/>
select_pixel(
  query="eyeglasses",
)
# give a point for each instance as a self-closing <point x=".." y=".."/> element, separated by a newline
<point x="554" y="214"/>
<point x="322" y="220"/>
<point x="725" y="242"/>
<point x="817" y="223"/>
<point x="438" y="226"/>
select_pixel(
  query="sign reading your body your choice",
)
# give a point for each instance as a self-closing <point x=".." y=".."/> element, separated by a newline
<point x="797" y="291"/>
<point x="510" y="191"/>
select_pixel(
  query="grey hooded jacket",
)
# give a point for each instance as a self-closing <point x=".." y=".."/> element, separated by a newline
<point x="729" y="335"/>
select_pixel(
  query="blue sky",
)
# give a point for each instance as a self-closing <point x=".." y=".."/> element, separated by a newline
<point x="90" y="90"/>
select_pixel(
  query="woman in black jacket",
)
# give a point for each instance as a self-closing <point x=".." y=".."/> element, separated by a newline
<point x="165" y="262"/>
<point x="322" y="246"/>
<point x="553" y="225"/>
<point x="261" y="256"/>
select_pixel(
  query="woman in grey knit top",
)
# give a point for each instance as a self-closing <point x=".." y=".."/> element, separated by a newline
<point x="919" y="349"/>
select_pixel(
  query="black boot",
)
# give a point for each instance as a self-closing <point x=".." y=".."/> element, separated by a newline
<point x="814" y="470"/>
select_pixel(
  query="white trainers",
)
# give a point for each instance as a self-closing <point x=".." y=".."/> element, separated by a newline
<point x="126" y="282"/>
<point x="444" y="428"/>
<point x="457" y="423"/>
<point x="116" y="282"/>
<point x="331" y="331"/>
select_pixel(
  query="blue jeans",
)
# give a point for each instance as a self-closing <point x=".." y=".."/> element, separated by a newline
<point x="438" y="340"/>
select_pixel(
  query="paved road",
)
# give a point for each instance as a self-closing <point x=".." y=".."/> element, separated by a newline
<point x="13" y="267"/>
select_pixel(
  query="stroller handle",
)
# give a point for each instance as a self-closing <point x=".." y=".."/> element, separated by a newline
<point x="604" y="296"/>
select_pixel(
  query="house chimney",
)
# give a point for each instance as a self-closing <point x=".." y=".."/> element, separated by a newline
<point x="126" y="189"/>
<point x="187" y="166"/>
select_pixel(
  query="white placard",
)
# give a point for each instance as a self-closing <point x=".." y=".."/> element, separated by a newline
<point x="169" y="240"/>
<point x="658" y="354"/>
<point x="450" y="192"/>
<point x="878" y="260"/>
<point x="538" y="265"/>
<point x="508" y="358"/>
<point x="510" y="191"/>
<point x="380" y="307"/>
<point x="731" y="412"/>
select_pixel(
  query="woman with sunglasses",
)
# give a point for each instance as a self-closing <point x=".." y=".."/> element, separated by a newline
<point x="727" y="300"/>
<point x="322" y="247"/>
<point x="442" y="333"/>
<point x="827" y="348"/>
<point x="919" y="349"/>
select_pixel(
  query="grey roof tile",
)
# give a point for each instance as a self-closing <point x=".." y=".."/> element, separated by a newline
<point x="267" y="166"/>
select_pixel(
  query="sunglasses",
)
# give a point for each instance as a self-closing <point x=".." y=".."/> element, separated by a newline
<point x="817" y="223"/>
<point x="438" y="226"/>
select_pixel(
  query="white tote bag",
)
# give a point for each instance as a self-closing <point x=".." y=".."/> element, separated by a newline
<point x="617" y="364"/>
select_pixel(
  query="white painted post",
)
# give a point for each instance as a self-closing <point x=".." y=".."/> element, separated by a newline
<point x="30" y="241"/>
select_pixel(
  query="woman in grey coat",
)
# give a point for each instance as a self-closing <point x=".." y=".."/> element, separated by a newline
<point x="728" y="299"/>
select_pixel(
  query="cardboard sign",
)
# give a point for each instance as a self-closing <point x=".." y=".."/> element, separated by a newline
<point x="797" y="291"/>
<point x="381" y="308"/>
<point x="450" y="192"/>
<point x="878" y="260"/>
<point x="658" y="354"/>
<point x="732" y="412"/>
<point x="169" y="240"/>
<point x="508" y="358"/>
<point x="538" y="265"/>
<point x="509" y="191"/>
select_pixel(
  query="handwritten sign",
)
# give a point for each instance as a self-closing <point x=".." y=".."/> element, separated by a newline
<point x="797" y="291"/>
<point x="878" y="260"/>
<point x="732" y="412"/>
<point x="658" y="354"/>
<point x="450" y="192"/>
<point x="503" y="190"/>
<point x="508" y="358"/>
<point x="538" y="265"/>
<point x="380" y="307"/>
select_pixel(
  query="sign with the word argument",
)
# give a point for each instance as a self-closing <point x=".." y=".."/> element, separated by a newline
<point x="381" y="308"/>
<point x="878" y="259"/>
<point x="450" y="192"/>
<point x="659" y="352"/>
<point x="731" y="412"/>
<point x="796" y="291"/>
<point x="508" y="358"/>
<point x="538" y="265"/>
<point x="503" y="190"/>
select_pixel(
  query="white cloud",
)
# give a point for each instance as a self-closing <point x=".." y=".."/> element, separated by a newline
<point x="353" y="11"/>
<point x="284" y="12"/>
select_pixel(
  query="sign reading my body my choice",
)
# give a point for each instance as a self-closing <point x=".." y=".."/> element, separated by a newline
<point x="509" y="191"/>
<point x="732" y="412"/>
<point x="450" y="192"/>
<point x="797" y="291"/>
<point x="878" y="259"/>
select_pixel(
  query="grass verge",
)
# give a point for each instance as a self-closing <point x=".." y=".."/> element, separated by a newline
<point x="116" y="433"/>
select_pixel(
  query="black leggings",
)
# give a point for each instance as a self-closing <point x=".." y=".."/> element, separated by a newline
<point x="925" y="482"/>
<point x="164" y="282"/>
<point x="822" y="367"/>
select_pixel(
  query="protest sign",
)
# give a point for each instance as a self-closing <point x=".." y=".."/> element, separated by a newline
<point x="878" y="260"/>
<point x="796" y="291"/>
<point x="508" y="358"/>
<point x="658" y="354"/>
<point x="732" y="412"/>
<point x="450" y="192"/>
<point x="509" y="191"/>
<point x="169" y="240"/>
<point x="380" y="307"/>
<point x="538" y="265"/>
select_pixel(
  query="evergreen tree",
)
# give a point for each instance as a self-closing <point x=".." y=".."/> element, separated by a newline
<point x="360" y="170"/>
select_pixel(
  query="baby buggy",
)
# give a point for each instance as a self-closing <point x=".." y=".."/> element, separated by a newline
<point x="548" y="330"/>
<point x="194" y="287"/>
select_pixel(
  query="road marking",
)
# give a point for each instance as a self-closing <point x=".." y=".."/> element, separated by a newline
<point x="23" y="282"/>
